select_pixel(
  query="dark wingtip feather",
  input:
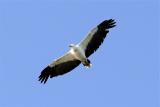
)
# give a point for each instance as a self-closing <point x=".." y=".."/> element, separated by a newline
<point x="45" y="75"/>
<point x="99" y="36"/>
<point x="107" y="24"/>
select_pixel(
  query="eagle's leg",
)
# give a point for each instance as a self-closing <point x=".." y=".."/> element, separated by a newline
<point x="87" y="63"/>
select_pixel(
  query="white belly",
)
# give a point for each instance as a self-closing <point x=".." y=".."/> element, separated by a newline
<point x="78" y="53"/>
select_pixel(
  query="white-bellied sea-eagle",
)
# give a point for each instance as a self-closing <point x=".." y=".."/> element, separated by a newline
<point x="78" y="53"/>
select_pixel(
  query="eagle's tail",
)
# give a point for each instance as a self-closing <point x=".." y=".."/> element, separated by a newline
<point x="87" y="63"/>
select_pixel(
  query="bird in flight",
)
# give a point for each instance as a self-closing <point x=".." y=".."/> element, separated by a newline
<point x="78" y="53"/>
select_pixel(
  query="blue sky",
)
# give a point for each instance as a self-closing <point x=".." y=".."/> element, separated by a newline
<point x="125" y="68"/>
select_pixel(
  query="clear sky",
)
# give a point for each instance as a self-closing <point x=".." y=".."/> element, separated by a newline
<point x="125" y="68"/>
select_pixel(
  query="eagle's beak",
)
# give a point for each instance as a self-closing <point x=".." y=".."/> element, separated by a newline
<point x="71" y="45"/>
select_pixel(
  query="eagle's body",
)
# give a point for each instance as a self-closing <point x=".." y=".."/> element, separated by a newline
<point x="78" y="53"/>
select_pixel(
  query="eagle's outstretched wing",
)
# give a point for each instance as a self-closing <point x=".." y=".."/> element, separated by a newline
<point x="68" y="62"/>
<point x="59" y="67"/>
<point x="97" y="35"/>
